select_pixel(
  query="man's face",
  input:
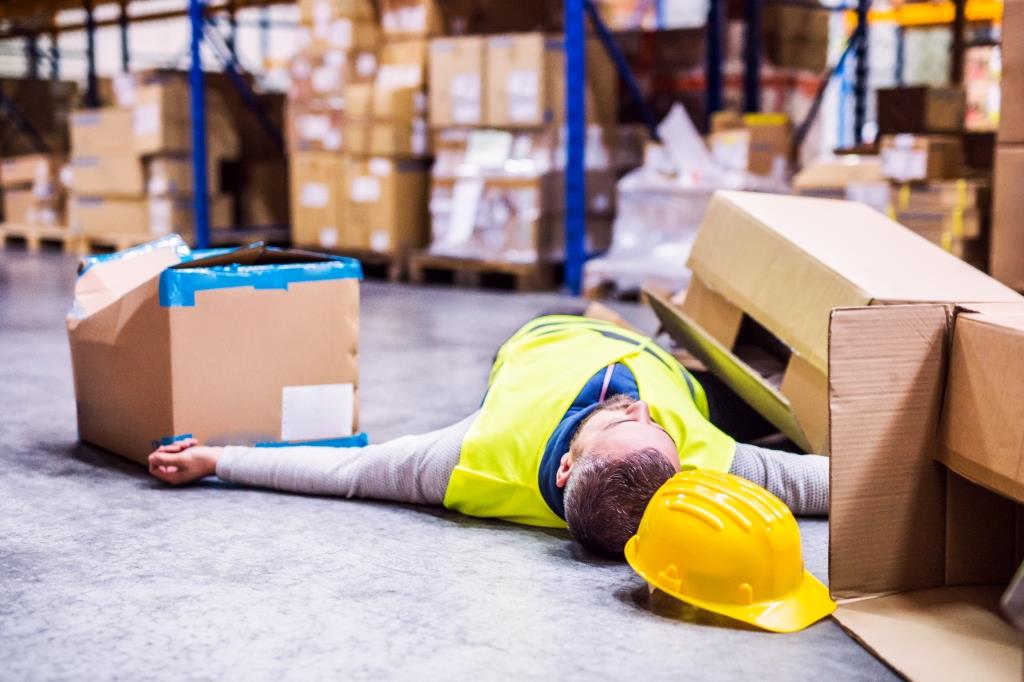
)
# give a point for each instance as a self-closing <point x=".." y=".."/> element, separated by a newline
<point x="622" y="426"/>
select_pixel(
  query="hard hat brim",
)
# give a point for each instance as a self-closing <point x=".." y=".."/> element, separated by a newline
<point x="797" y="610"/>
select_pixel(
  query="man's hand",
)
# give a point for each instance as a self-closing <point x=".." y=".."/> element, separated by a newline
<point x="183" y="461"/>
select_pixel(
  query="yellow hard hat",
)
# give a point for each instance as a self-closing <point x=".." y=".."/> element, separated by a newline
<point x="721" y="543"/>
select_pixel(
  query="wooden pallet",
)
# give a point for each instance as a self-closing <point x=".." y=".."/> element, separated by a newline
<point x="100" y="243"/>
<point x="427" y="268"/>
<point x="390" y="267"/>
<point x="35" y="237"/>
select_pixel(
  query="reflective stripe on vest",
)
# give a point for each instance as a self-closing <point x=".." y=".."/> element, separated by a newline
<point x="535" y="378"/>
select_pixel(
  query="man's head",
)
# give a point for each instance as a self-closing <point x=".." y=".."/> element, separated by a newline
<point x="618" y="458"/>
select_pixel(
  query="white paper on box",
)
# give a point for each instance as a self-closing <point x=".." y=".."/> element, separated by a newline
<point x="366" y="64"/>
<point x="329" y="237"/>
<point x="314" y="126"/>
<point x="146" y="119"/>
<point x="523" y="90"/>
<point x="466" y="197"/>
<point x="900" y="163"/>
<point x="325" y="79"/>
<point x="420" y="138"/>
<point x="684" y="145"/>
<point x="315" y="195"/>
<point x="332" y="140"/>
<point x="160" y="216"/>
<point x="380" y="166"/>
<point x="465" y="94"/>
<point x="489" y="148"/>
<point x="365" y="189"/>
<point x="380" y="240"/>
<point x="316" y="412"/>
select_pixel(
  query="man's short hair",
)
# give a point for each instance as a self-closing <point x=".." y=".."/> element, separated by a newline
<point x="605" y="497"/>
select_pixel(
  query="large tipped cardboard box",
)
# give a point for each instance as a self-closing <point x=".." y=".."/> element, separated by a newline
<point x="767" y="272"/>
<point x="919" y="553"/>
<point x="231" y="346"/>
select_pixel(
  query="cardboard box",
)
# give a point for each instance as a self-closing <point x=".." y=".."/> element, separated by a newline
<point x="342" y="34"/>
<point x="405" y="140"/>
<point x="387" y="203"/>
<point x="1011" y="105"/>
<point x="754" y="143"/>
<point x="797" y="36"/>
<point x="520" y="87"/>
<point x="399" y="88"/>
<point x="172" y="176"/>
<point x="957" y="223"/>
<point x="921" y="157"/>
<point x="918" y="570"/>
<point x="457" y="82"/>
<point x="411" y="18"/>
<point x="30" y="170"/>
<point x="962" y="193"/>
<point x="157" y="216"/>
<point x="159" y="352"/>
<point x="1006" y="253"/>
<point x="161" y="122"/>
<point x="120" y="175"/>
<point x="767" y="272"/>
<point x="319" y="201"/>
<point x="313" y="12"/>
<point x="921" y="109"/>
<point x="96" y="132"/>
<point x="319" y="76"/>
<point x="828" y="177"/>
<point x="315" y="127"/>
<point x="24" y="206"/>
<point x="18" y="205"/>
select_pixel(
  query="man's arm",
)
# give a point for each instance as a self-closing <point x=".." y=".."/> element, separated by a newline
<point x="801" y="481"/>
<point x="409" y="469"/>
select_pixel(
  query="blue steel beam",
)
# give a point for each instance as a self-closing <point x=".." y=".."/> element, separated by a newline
<point x="622" y="66"/>
<point x="92" y="98"/>
<point x="713" y="96"/>
<point x="122" y="24"/>
<point x="197" y="90"/>
<point x="32" y="55"/>
<point x="575" y="173"/>
<point x="752" y="57"/>
<point x="860" y="74"/>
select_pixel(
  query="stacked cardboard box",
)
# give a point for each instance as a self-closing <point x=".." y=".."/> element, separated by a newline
<point x="32" y="191"/>
<point x="1006" y="252"/>
<point x="131" y="170"/>
<point x="760" y="144"/>
<point x="496" y="113"/>
<point x="797" y="36"/>
<point x="357" y="129"/>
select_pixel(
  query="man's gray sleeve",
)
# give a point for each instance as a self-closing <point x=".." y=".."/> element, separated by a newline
<point x="801" y="481"/>
<point x="412" y="469"/>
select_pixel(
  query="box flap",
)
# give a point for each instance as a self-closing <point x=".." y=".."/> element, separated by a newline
<point x="106" y="278"/>
<point x="887" y="495"/>
<point x="739" y="376"/>
<point x="982" y="428"/>
<point x="788" y="261"/>
<point x="950" y="633"/>
<point x="256" y="266"/>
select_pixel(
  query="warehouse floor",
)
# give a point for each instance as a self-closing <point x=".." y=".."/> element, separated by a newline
<point x="105" y="573"/>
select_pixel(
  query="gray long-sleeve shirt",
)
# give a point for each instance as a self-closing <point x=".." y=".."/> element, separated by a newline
<point x="417" y="468"/>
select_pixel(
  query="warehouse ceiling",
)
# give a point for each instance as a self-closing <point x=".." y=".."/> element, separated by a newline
<point x="41" y="16"/>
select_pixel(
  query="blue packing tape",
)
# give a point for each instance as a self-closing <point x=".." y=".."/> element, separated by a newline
<point x="359" y="440"/>
<point x="168" y="440"/>
<point x="178" y="286"/>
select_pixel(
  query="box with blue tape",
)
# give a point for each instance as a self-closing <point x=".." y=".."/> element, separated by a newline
<point x="247" y="345"/>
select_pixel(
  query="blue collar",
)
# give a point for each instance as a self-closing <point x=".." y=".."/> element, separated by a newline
<point x="586" y="402"/>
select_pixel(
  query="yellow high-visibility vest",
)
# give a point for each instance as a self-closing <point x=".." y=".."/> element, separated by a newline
<point x="537" y="375"/>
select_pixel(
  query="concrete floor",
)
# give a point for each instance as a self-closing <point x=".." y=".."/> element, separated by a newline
<point x="107" y="574"/>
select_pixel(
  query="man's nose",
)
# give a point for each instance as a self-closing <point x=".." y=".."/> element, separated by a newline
<point x="640" y="412"/>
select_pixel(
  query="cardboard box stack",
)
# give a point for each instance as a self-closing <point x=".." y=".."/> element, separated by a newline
<point x="496" y="116"/>
<point x="767" y="272"/>
<point x="1006" y="253"/>
<point x="131" y="169"/>
<point x="760" y="144"/>
<point x="166" y="342"/>
<point x="32" y="191"/>
<point x="358" y="142"/>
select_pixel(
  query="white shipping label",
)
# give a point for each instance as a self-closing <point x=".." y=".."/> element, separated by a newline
<point x="365" y="189"/>
<point x="419" y="142"/>
<point x="325" y="79"/>
<point x="314" y="126"/>
<point x="523" y="92"/>
<point x="146" y="119"/>
<point x="160" y="216"/>
<point x="904" y="164"/>
<point x="465" y="93"/>
<point x="340" y="34"/>
<point x="329" y="237"/>
<point x="317" y="412"/>
<point x="332" y="140"/>
<point x="315" y="195"/>
<point x="465" y="202"/>
<point x="380" y="166"/>
<point x="380" y="240"/>
<point x="489" y="148"/>
<point x="366" y="64"/>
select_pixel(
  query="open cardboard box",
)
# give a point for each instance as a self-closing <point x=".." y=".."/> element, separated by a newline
<point x="927" y="484"/>
<point x="240" y="346"/>
<point x="767" y="272"/>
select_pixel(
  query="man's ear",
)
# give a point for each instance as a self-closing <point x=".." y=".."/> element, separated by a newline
<point x="564" y="468"/>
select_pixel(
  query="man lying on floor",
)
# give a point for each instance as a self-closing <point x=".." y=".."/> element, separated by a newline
<point x="582" y="422"/>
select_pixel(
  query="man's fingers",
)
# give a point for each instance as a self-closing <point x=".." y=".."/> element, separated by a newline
<point x="160" y="459"/>
<point x="178" y="445"/>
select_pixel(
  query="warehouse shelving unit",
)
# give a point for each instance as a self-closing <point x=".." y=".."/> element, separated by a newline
<point x="30" y="18"/>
